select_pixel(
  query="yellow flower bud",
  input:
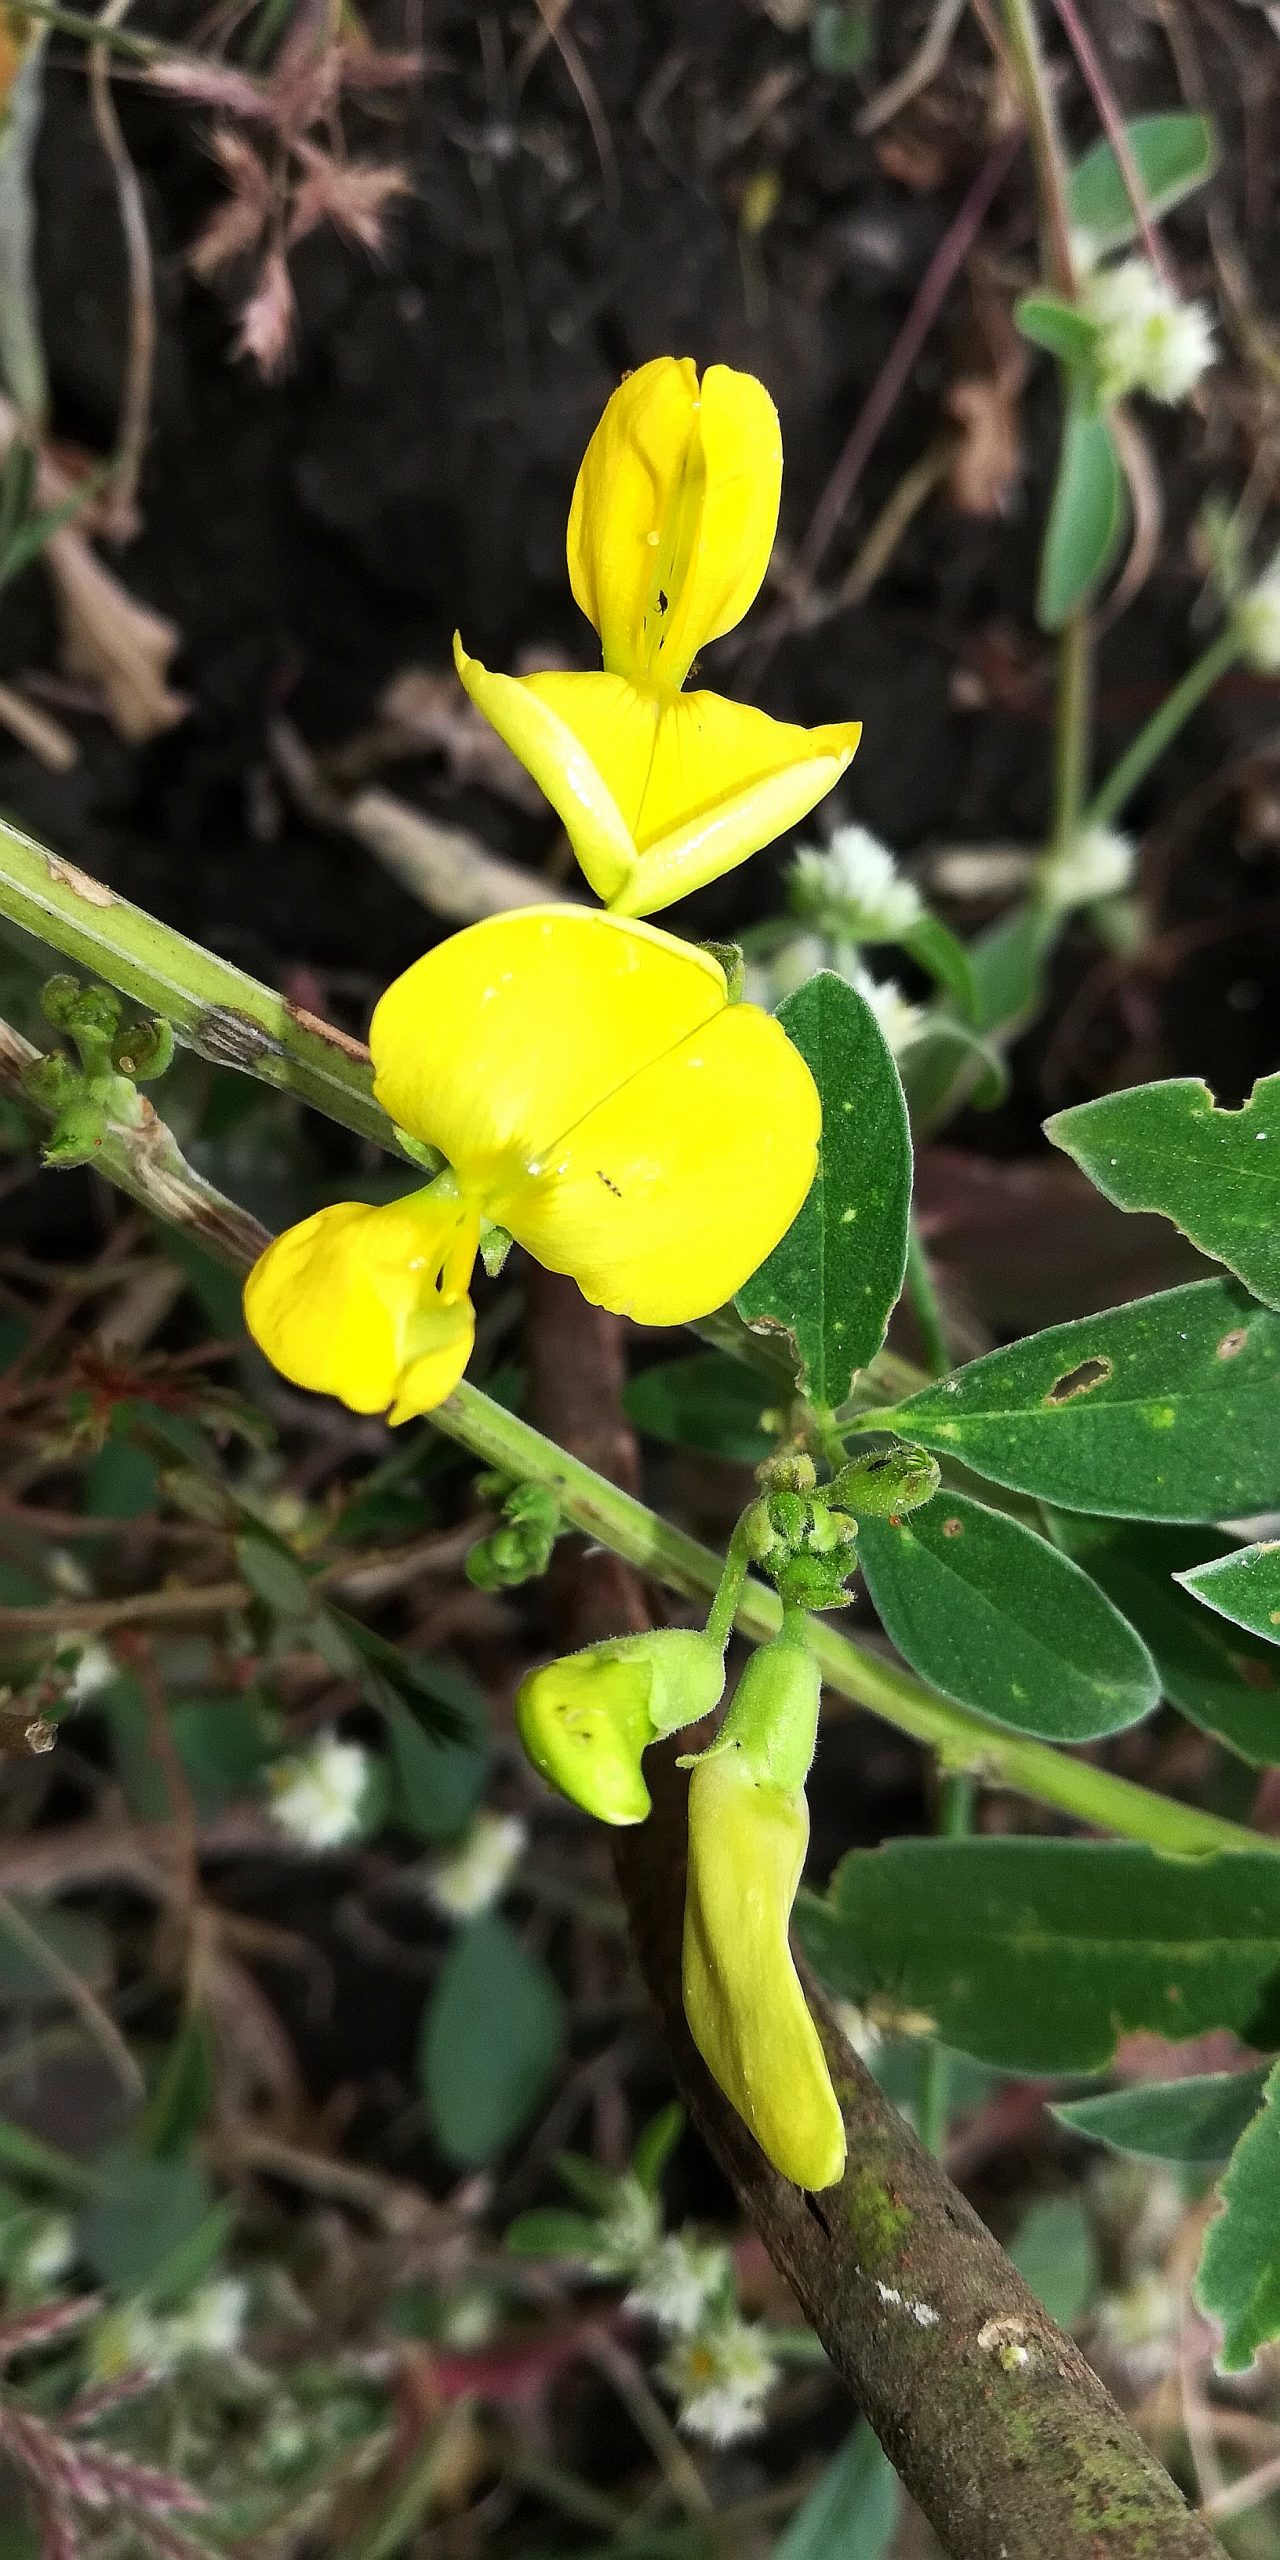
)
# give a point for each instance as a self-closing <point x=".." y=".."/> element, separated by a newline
<point x="748" y="1832"/>
<point x="586" y="1719"/>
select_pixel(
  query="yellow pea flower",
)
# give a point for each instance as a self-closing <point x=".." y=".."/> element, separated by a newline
<point x="586" y="1720"/>
<point x="670" y="531"/>
<point x="594" y="1092"/>
<point x="748" y="1832"/>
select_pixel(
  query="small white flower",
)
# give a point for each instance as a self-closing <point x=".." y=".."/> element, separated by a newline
<point x="629" y="2233"/>
<point x="129" y="2340"/>
<point x="48" y="2253"/>
<point x="1257" y="622"/>
<point x="1098" y="863"/>
<point x="1141" y="2326"/>
<point x="1149" y="340"/>
<point x="901" y="1021"/>
<point x="855" y="891"/>
<point x="318" y="1795"/>
<point x="679" y="2283"/>
<point x="720" y="2379"/>
<point x="858" y="2030"/>
<point x="94" y="1671"/>
<point x="211" y="2323"/>
<point x="470" y="1878"/>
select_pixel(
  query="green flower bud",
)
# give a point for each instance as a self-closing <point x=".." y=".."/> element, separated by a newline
<point x="586" y="1720"/>
<point x="52" y="1081"/>
<point x="887" y="1482"/>
<point x="76" y="1135"/>
<point x="90" y="1015"/>
<point x="144" y="1050"/>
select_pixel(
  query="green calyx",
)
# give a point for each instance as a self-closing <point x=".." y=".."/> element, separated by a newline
<point x="887" y="1483"/>
<point x="771" y="1728"/>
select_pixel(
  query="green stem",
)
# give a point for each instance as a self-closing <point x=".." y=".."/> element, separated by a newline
<point x="216" y="1009"/>
<point x="724" y="1607"/>
<point x="1071" y="742"/>
<point x="955" y="1819"/>
<point x="1046" y="143"/>
<point x="1163" y="726"/>
<point x="926" y="1306"/>
<point x="73" y="22"/>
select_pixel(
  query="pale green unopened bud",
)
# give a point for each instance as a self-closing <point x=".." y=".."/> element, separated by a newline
<point x="586" y="1720"/>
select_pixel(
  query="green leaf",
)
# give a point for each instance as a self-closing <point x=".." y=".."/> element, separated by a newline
<point x="274" y="1574"/>
<point x="1227" y="1682"/>
<point x="490" y="2040"/>
<point x="709" y="1402"/>
<point x="1169" y="1147"/>
<point x="1086" y="513"/>
<point x="1165" y="1409"/>
<point x="44" y="1946"/>
<point x="835" y="1279"/>
<point x="182" y="2098"/>
<point x="996" y="1618"/>
<point x="948" y="1066"/>
<point x="1188" y="2122"/>
<point x="1037" y="1955"/>
<point x="440" y="1783"/>
<point x="1009" y="964"/>
<point x="1055" y="2252"/>
<point x="851" y="2512"/>
<point x="654" y="2147"/>
<point x="149" y="2212"/>
<point x="551" y="2231"/>
<point x="1244" y="1587"/>
<point x="1239" y="2278"/>
<point x="29" y="2158"/>
<point x="1058" y="326"/>
<point x="221" y="1746"/>
<point x="1173" y="154"/>
<point x="942" y="954"/>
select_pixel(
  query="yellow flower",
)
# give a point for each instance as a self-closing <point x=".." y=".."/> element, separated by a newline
<point x="586" y="1720"/>
<point x="748" y="1832"/>
<point x="596" y="1094"/>
<point x="670" y="531"/>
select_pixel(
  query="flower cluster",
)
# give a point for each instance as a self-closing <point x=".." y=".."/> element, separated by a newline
<point x="319" y="1794"/>
<point x="1148" y="339"/>
<point x="853" y="891"/>
<point x="1097" y="863"/>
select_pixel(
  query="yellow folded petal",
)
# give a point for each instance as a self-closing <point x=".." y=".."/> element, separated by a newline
<point x="586" y="1720"/>
<point x="371" y="1305"/>
<point x="658" y="792"/>
<point x="665" y="1198"/>
<point x="674" y="514"/>
<point x="500" y="1039"/>
<point x="743" y="1997"/>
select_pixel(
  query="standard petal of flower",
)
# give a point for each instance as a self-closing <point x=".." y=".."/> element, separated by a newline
<point x="671" y="1192"/>
<point x="742" y="1995"/>
<point x="503" y="1037"/>
<point x="674" y="514"/>
<point x="370" y="1304"/>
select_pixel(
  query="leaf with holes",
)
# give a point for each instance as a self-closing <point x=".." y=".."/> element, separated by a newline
<point x="1166" y="1409"/>
<point x="1038" y="1955"/>
<point x="1086" y="512"/>
<point x="1243" y="1586"/>
<point x="995" y="1617"/>
<point x="1226" y="1681"/>
<point x="490" y="2041"/>
<point x="1169" y="1147"/>
<point x="1188" y="2122"/>
<point x="1239" y="2278"/>
<point x="1172" y="154"/>
<point x="834" y="1280"/>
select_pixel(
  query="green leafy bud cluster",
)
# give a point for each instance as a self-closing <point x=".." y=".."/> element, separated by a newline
<point x="98" y="1089"/>
<point x="519" y="1549"/>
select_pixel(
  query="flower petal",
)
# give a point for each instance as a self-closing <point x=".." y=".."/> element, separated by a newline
<point x="370" y="1304"/>
<point x="502" y="1038"/>
<point x="659" y="793"/>
<point x="662" y="1200"/>
<point x="674" y="514"/>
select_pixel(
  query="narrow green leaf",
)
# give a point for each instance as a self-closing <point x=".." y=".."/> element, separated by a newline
<point x="1239" y="2278"/>
<point x="1173" y="153"/>
<point x="274" y="1574"/>
<point x="40" y="1944"/>
<point x="551" y="2231"/>
<point x="655" y="2144"/>
<point x="942" y="954"/>
<point x="948" y="1066"/>
<point x="1226" y="1681"/>
<point x="998" y="1619"/>
<point x="1037" y="1955"/>
<point x="1008" y="963"/>
<point x="148" y="2212"/>
<point x="490" y="2038"/>
<point x="1165" y="1409"/>
<point x="710" y="1402"/>
<point x="1086" y="513"/>
<point x="1188" y="2122"/>
<point x="1169" y="1147"/>
<point x="1244" y="1587"/>
<point x="1057" y="326"/>
<point x="851" y="2512"/>
<point x="28" y="2157"/>
<point x="835" y="1279"/>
